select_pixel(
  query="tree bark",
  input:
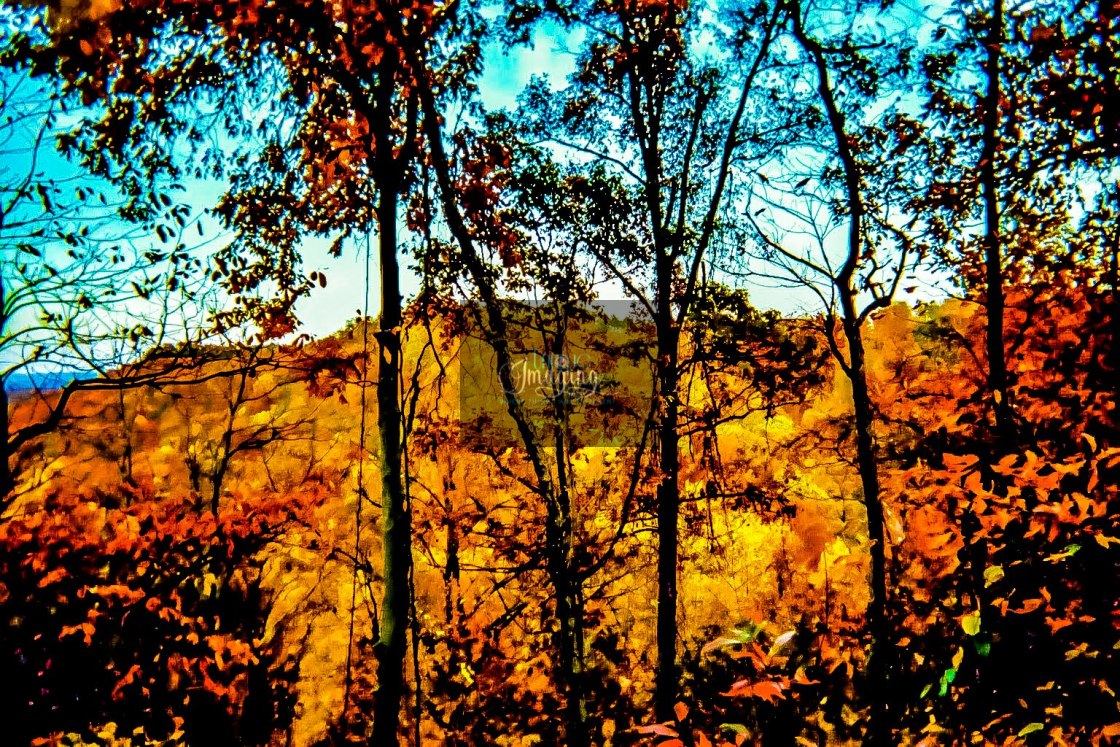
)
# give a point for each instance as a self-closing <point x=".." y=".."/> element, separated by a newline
<point x="567" y="580"/>
<point x="977" y="705"/>
<point x="643" y="101"/>
<point x="569" y="609"/>
<point x="128" y="472"/>
<point x="668" y="503"/>
<point x="878" y="664"/>
<point x="219" y="475"/>
<point x="396" y="519"/>
<point x="569" y="613"/>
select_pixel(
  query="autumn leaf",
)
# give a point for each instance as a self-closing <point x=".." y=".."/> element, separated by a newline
<point x="658" y="730"/>
<point x="768" y="691"/>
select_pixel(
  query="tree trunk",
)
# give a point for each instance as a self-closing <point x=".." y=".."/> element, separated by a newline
<point x="569" y="608"/>
<point x="452" y="599"/>
<point x="559" y="563"/>
<point x="7" y="479"/>
<point x="878" y="664"/>
<point x="396" y="528"/>
<point x="568" y="584"/>
<point x="570" y="639"/>
<point x="977" y="706"/>
<point x="216" y="488"/>
<point x="194" y="474"/>
<point x="128" y="473"/>
<point x="993" y="255"/>
<point x="219" y="474"/>
<point x="1113" y="302"/>
<point x="668" y="503"/>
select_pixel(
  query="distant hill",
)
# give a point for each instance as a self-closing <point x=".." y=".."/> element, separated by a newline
<point x="26" y="381"/>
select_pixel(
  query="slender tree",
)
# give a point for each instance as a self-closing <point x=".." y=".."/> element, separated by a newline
<point x="858" y="252"/>
<point x="534" y="240"/>
<point x="990" y="157"/>
<point x="683" y="124"/>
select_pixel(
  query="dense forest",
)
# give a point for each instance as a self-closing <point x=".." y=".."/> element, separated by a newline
<point x="701" y="373"/>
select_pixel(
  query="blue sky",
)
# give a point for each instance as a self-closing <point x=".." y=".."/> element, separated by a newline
<point x="328" y="309"/>
<point x="506" y="74"/>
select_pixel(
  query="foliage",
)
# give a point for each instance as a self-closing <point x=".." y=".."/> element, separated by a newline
<point x="700" y="522"/>
<point x="150" y="617"/>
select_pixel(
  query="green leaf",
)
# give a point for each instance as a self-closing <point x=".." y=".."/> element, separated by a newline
<point x="946" y="679"/>
<point x="746" y="633"/>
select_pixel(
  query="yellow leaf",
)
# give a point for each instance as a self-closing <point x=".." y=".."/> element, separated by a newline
<point x="992" y="574"/>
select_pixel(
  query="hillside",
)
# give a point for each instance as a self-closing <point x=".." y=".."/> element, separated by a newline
<point x="773" y="551"/>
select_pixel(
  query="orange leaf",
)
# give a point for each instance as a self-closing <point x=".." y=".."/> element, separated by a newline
<point x="660" y="730"/>
<point x="768" y="690"/>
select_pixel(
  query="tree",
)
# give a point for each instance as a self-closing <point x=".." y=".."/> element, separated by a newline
<point x="1012" y="163"/>
<point x="681" y="129"/>
<point x="523" y="223"/>
<point x="346" y="76"/>
<point x="846" y="147"/>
